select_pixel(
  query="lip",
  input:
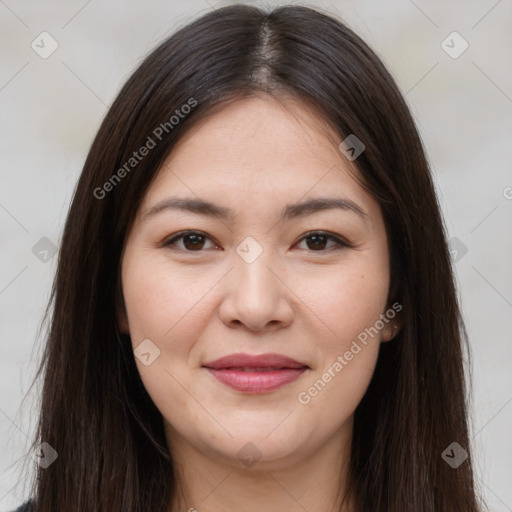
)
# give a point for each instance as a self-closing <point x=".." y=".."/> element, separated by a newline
<point x="256" y="373"/>
<point x="241" y="360"/>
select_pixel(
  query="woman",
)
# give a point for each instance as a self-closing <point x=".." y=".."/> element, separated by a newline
<point x="254" y="305"/>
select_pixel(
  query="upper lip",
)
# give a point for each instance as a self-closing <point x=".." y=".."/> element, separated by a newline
<point x="254" y="361"/>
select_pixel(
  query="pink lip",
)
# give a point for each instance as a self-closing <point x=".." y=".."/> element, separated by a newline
<point x="230" y="371"/>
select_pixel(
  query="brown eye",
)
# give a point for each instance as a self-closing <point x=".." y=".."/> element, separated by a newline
<point x="318" y="241"/>
<point x="192" y="241"/>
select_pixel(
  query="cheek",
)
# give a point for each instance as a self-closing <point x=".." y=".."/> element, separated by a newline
<point x="332" y="396"/>
<point x="346" y="360"/>
<point x="346" y="302"/>
<point x="162" y="306"/>
<point x="348" y="306"/>
<point x="161" y="302"/>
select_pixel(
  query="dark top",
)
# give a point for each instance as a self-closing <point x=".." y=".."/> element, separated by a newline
<point x="26" y="507"/>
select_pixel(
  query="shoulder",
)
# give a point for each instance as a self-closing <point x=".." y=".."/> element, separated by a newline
<point x="26" y="507"/>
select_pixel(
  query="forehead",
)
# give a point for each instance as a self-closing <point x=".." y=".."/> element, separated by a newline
<point x="258" y="153"/>
<point x="264" y="126"/>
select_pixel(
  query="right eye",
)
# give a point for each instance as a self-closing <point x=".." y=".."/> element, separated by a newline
<point x="192" y="241"/>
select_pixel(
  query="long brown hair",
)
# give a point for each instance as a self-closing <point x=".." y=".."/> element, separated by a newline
<point x="95" y="412"/>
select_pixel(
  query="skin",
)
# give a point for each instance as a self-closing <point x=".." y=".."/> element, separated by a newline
<point x="198" y="301"/>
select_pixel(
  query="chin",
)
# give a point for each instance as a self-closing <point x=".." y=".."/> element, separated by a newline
<point x="255" y="449"/>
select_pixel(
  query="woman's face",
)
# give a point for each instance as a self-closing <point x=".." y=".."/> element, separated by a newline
<point x="251" y="280"/>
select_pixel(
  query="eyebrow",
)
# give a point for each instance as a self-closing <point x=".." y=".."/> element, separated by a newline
<point x="290" y="211"/>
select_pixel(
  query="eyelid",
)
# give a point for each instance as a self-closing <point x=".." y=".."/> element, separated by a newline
<point x="168" y="242"/>
<point x="332" y="236"/>
<point x="341" y="243"/>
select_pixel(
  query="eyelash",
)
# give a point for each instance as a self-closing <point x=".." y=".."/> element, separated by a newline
<point x="340" y="244"/>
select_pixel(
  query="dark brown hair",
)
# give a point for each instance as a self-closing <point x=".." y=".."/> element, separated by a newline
<point x="95" y="411"/>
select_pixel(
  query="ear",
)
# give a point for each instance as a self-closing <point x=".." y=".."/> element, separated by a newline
<point x="393" y="326"/>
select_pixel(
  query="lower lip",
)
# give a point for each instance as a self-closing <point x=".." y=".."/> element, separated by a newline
<point x="256" y="382"/>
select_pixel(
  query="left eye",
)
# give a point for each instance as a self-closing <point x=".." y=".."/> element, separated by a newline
<point x="194" y="241"/>
<point x="319" y="241"/>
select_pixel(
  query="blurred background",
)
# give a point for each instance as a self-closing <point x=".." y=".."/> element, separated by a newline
<point x="62" y="63"/>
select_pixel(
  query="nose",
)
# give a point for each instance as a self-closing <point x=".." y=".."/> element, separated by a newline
<point x="256" y="295"/>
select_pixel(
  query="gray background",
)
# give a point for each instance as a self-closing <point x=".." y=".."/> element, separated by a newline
<point x="51" y="109"/>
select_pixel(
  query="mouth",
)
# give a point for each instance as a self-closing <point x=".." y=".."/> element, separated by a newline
<point x="256" y="374"/>
<point x="255" y="369"/>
